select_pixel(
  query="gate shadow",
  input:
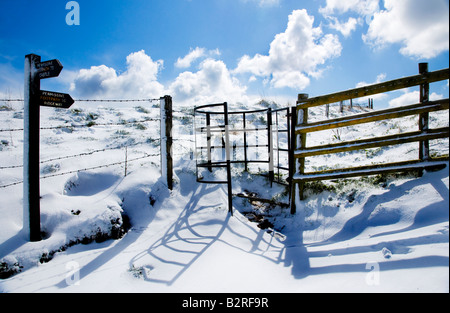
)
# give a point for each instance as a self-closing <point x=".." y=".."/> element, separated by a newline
<point x="182" y="244"/>
<point x="190" y="236"/>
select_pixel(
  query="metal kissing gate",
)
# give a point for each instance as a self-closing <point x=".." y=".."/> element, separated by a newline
<point x="223" y="138"/>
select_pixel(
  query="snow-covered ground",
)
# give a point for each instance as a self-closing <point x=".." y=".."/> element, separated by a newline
<point x="384" y="234"/>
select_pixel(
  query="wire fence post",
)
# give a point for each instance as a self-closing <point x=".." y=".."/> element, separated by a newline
<point x="300" y="120"/>
<point x="208" y="140"/>
<point x="228" y="160"/>
<point x="245" y="141"/>
<point x="31" y="186"/>
<point x="424" y="148"/>
<point x="303" y="120"/>
<point x="270" y="144"/>
<point x="292" y="162"/>
<point x="166" y="141"/>
<point x="126" y="160"/>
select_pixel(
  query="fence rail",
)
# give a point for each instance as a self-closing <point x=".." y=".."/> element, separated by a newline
<point x="406" y="82"/>
<point x="423" y="135"/>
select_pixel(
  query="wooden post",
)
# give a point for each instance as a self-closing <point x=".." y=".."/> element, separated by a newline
<point x="298" y="118"/>
<point x="292" y="162"/>
<point x="126" y="160"/>
<point x="166" y="140"/>
<point x="424" y="148"/>
<point x="208" y="140"/>
<point x="227" y="152"/>
<point x="31" y="186"/>
<point x="302" y="120"/>
<point x="245" y="142"/>
<point x="270" y="145"/>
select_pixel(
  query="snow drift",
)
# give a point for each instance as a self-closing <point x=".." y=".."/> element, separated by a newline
<point x="377" y="234"/>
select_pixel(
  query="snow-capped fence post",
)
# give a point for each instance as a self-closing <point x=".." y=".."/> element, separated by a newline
<point x="126" y="161"/>
<point x="208" y="140"/>
<point x="31" y="187"/>
<point x="244" y="123"/>
<point x="298" y="119"/>
<point x="166" y="141"/>
<point x="424" y="148"/>
<point x="302" y="120"/>
<point x="270" y="145"/>
<point x="292" y="161"/>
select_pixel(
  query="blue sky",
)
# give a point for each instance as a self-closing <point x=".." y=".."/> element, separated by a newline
<point x="202" y="51"/>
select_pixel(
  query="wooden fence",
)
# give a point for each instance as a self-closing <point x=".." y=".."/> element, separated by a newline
<point x="423" y="135"/>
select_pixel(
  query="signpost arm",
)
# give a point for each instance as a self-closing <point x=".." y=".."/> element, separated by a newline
<point x="31" y="189"/>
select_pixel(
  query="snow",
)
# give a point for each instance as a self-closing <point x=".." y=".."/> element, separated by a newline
<point x="363" y="235"/>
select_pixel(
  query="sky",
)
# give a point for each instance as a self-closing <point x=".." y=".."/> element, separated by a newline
<point x="238" y="51"/>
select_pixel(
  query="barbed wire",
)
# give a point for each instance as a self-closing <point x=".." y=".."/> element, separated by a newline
<point x="85" y="153"/>
<point x="186" y="112"/>
<point x="85" y="169"/>
<point x="89" y="125"/>
<point x="11" y="100"/>
<point x="11" y="130"/>
<point x="117" y="100"/>
<point x="100" y="166"/>
<point x="95" y="100"/>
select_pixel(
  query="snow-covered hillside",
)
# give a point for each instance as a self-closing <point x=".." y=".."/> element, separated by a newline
<point x="379" y="234"/>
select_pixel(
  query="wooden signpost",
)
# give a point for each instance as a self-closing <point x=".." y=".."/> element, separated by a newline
<point x="49" y="69"/>
<point x="35" y="70"/>
<point x="55" y="99"/>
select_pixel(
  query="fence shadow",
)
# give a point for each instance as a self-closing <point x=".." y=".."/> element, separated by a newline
<point x="116" y="247"/>
<point x="191" y="235"/>
<point x="433" y="213"/>
<point x="182" y="244"/>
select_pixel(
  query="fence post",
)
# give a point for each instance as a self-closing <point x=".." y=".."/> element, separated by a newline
<point x="292" y="161"/>
<point x="166" y="141"/>
<point x="270" y="144"/>
<point x="302" y="120"/>
<point x="208" y="140"/>
<point x="424" y="148"/>
<point x="228" y="160"/>
<point x="245" y="142"/>
<point x="31" y="184"/>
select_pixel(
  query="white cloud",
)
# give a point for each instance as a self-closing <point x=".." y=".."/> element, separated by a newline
<point x="421" y="27"/>
<point x="345" y="28"/>
<point x="213" y="82"/>
<point x="361" y="7"/>
<point x="380" y="78"/>
<point x="413" y="97"/>
<point x="294" y="55"/>
<point x="194" y="55"/>
<point x="378" y="97"/>
<point x="139" y="80"/>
